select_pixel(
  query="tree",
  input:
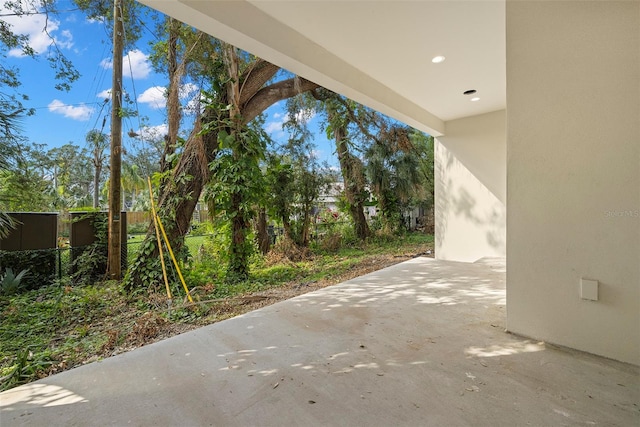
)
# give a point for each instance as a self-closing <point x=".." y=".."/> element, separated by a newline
<point x="27" y="186"/>
<point x="146" y="153"/>
<point x="98" y="143"/>
<point x="307" y="179"/>
<point x="9" y="149"/>
<point x="341" y="113"/>
<point x="280" y="183"/>
<point x="70" y="172"/>
<point x="240" y="83"/>
<point x="133" y="183"/>
<point x="393" y="163"/>
<point x="11" y="101"/>
<point x="310" y="182"/>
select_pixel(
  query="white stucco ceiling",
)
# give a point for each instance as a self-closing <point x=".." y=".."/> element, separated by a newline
<point x="376" y="52"/>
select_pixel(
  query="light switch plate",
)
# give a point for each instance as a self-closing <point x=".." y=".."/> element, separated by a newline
<point x="589" y="289"/>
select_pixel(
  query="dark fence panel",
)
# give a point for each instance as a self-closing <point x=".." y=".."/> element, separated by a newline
<point x="31" y="246"/>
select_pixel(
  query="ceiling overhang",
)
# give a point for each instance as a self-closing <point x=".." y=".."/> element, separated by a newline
<point x="375" y="52"/>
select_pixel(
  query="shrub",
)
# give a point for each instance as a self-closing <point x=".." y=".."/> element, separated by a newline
<point x="11" y="283"/>
<point x="138" y="228"/>
<point x="286" y="249"/>
<point x="41" y="264"/>
<point x="331" y="242"/>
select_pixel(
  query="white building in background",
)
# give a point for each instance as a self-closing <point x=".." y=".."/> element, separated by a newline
<point x="329" y="200"/>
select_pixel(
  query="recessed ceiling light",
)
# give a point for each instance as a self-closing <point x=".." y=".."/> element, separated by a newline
<point x="469" y="92"/>
<point x="475" y="99"/>
<point x="438" y="59"/>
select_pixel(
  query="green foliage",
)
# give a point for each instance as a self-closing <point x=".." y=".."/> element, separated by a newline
<point x="51" y="327"/>
<point x="211" y="258"/>
<point x="40" y="263"/>
<point x="132" y="14"/>
<point x="61" y="326"/>
<point x="201" y="229"/>
<point x="280" y="194"/>
<point x="90" y="263"/>
<point x="25" y="368"/>
<point x="138" y="228"/>
<point x="236" y="188"/>
<point x="41" y="179"/>
<point x="147" y="267"/>
<point x="399" y="167"/>
<point x="7" y="223"/>
<point x="11" y="102"/>
<point x="10" y="283"/>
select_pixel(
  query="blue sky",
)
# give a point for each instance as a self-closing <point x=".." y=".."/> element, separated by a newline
<point x="63" y="117"/>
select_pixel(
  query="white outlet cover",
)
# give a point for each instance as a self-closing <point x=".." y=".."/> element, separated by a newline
<point x="589" y="289"/>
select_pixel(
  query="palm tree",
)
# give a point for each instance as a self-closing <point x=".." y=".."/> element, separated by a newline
<point x="395" y="170"/>
<point x="132" y="183"/>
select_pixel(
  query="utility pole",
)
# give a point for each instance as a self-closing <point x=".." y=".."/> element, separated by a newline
<point x="114" y="260"/>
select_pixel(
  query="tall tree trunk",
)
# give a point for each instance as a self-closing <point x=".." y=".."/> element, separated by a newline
<point x="176" y="205"/>
<point x="306" y="223"/>
<point x="96" y="185"/>
<point x="264" y="242"/>
<point x="175" y="73"/>
<point x="134" y="197"/>
<point x="353" y="178"/>
<point x="286" y="227"/>
<point x="239" y="258"/>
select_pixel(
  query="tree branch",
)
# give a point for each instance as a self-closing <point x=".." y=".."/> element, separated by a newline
<point x="355" y="119"/>
<point x="254" y="78"/>
<point x="271" y="94"/>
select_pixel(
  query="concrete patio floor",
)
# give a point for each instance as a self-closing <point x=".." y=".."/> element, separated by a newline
<point x="419" y="343"/>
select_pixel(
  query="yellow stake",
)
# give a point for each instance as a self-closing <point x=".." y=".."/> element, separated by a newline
<point x="175" y="262"/>
<point x="155" y="225"/>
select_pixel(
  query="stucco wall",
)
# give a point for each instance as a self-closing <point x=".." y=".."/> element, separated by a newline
<point x="573" y="173"/>
<point x="470" y="189"/>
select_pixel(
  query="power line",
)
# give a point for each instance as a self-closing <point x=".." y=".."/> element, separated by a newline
<point x="68" y="105"/>
<point x="148" y="29"/>
<point x="2" y="15"/>
<point x="133" y="84"/>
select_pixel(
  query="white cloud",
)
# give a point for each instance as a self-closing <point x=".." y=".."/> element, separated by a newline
<point x="153" y="133"/>
<point x="194" y="105"/>
<point x="275" y="126"/>
<point x="187" y="90"/>
<point x="76" y="112"/>
<point x="303" y="116"/>
<point x="66" y="41"/>
<point x="154" y="97"/>
<point x="34" y="26"/>
<point x="97" y="20"/>
<point x="135" y="64"/>
<point x="105" y="94"/>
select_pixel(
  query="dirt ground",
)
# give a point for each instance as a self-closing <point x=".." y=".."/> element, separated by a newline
<point x="152" y="326"/>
